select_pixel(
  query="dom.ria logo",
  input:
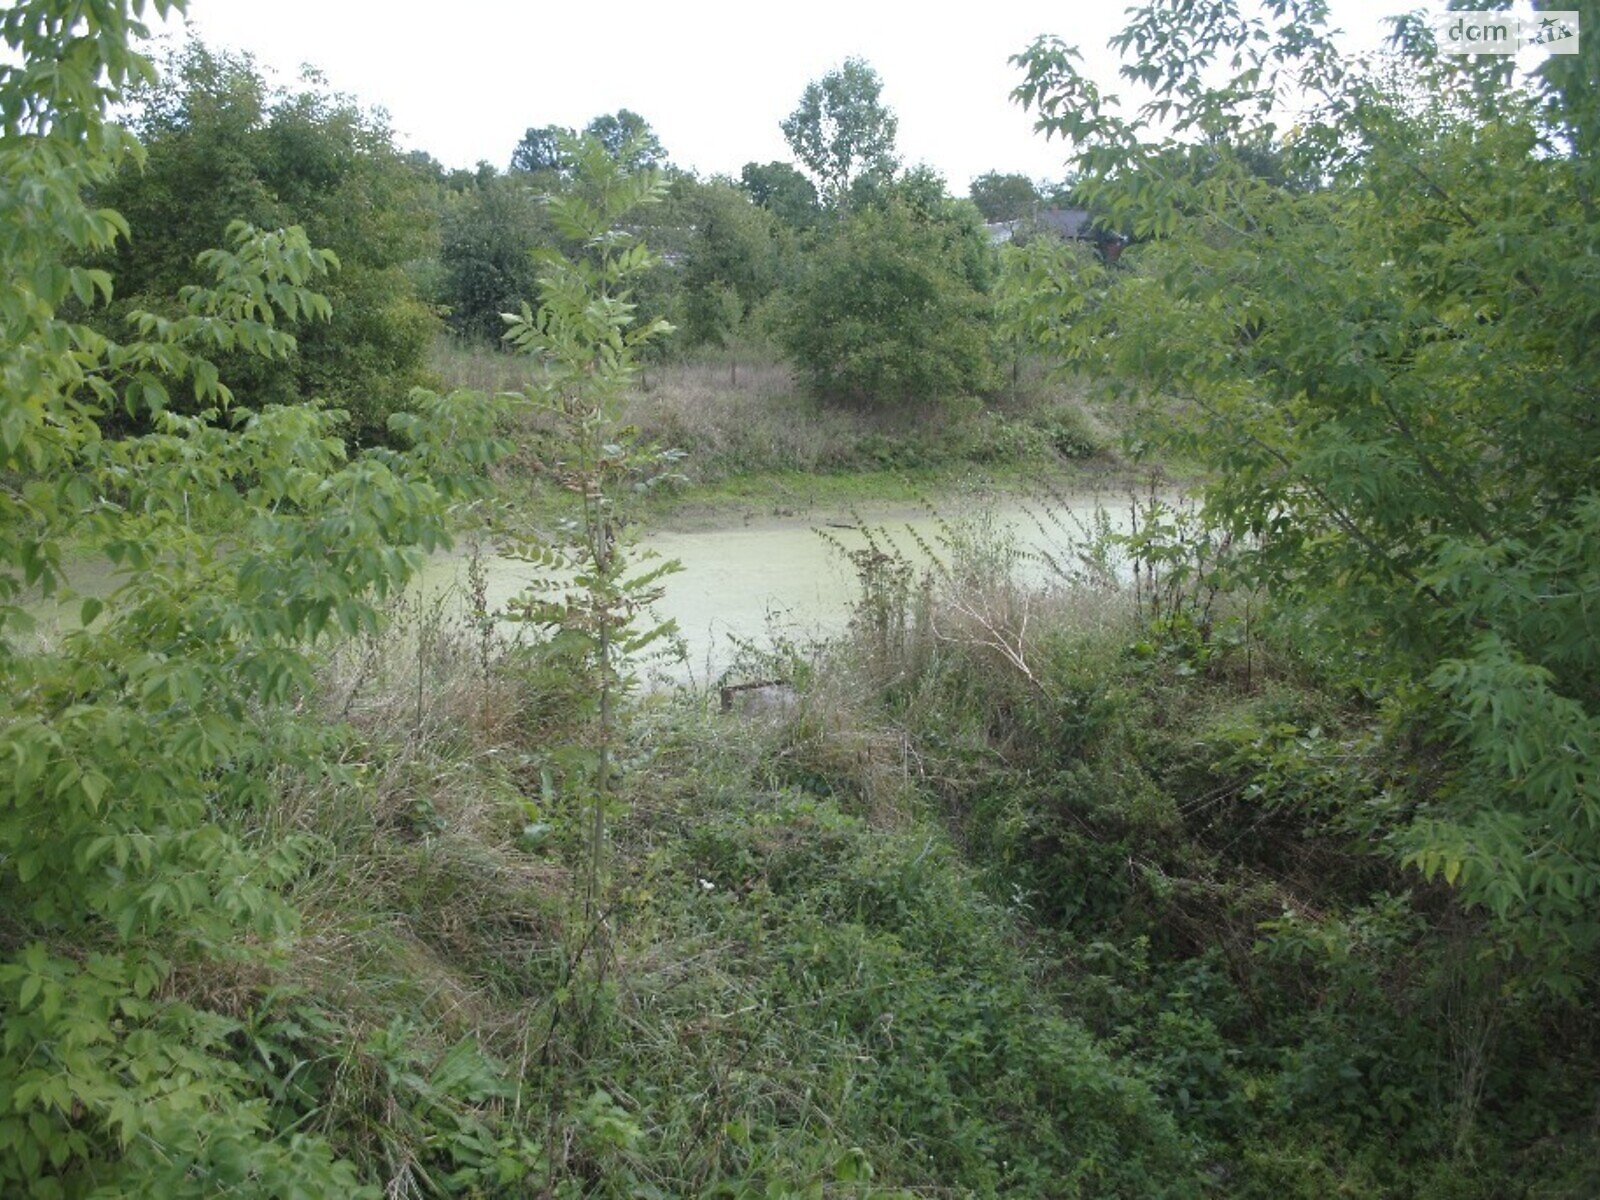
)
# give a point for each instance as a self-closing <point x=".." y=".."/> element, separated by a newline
<point x="1461" y="32"/>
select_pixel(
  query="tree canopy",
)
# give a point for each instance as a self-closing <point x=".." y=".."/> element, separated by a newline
<point x="841" y="131"/>
<point x="220" y="144"/>
<point x="1004" y="197"/>
<point x="732" y="263"/>
<point x="628" y="138"/>
<point x="488" y="236"/>
<point x="890" y="311"/>
<point x="540" y="149"/>
<point x="1392" y="372"/>
<point x="624" y="135"/>
<point x="783" y="191"/>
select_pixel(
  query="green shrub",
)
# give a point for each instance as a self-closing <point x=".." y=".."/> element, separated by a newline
<point x="221" y="145"/>
<point x="886" y="313"/>
<point x="136" y="742"/>
<point x="1377" y="336"/>
<point x="1187" y="817"/>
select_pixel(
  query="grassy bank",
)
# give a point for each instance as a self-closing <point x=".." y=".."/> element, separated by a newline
<point x="798" y="987"/>
<point x="754" y="441"/>
<point x="1014" y="895"/>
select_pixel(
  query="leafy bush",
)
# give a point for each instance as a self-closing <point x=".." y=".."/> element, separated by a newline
<point x="1189" y="821"/>
<point x="1384" y="354"/>
<point x="733" y="262"/>
<point x="220" y="145"/>
<point x="237" y="543"/>
<point x="488" y="237"/>
<point x="887" y="313"/>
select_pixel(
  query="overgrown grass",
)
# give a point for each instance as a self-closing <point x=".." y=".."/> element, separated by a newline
<point x="1022" y="895"/>
<point x="746" y="425"/>
<point x="1182" y="808"/>
<point x="802" y="989"/>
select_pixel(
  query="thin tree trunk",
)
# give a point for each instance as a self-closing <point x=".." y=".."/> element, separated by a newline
<point x="602" y="785"/>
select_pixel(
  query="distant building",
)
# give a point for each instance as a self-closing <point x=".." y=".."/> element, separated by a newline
<point x="1069" y="224"/>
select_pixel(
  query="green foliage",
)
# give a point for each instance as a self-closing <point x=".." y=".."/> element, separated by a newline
<point x="1157" y="957"/>
<point x="131" y="743"/>
<point x="488" y="236"/>
<point x="540" y="150"/>
<point x="1041" y="288"/>
<point x="584" y="336"/>
<point x="868" y="995"/>
<point x="841" y="132"/>
<point x="782" y="191"/>
<point x="221" y="145"/>
<point x="1035" y="295"/>
<point x="890" y="311"/>
<point x="734" y="261"/>
<point x="625" y="135"/>
<point x="1391" y="374"/>
<point x="1189" y="823"/>
<point x="495" y="233"/>
<point x="628" y="138"/>
<point x="920" y="188"/>
<point x="1004" y="197"/>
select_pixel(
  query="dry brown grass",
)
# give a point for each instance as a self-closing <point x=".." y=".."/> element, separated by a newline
<point x="472" y="366"/>
<point x="743" y="413"/>
<point x="732" y="416"/>
<point x="428" y="904"/>
<point x="763" y="423"/>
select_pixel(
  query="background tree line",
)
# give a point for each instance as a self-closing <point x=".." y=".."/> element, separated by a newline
<point x="878" y="285"/>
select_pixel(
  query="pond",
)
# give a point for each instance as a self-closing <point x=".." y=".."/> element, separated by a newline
<point x="757" y="578"/>
<point x="747" y="579"/>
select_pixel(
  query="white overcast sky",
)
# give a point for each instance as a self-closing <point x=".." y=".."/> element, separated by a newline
<point x="463" y="79"/>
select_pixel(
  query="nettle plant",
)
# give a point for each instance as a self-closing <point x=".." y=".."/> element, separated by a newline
<point x="1365" y="291"/>
<point x="236" y="539"/>
<point x="595" y="599"/>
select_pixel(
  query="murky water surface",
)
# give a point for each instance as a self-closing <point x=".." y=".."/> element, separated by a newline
<point x="748" y="580"/>
<point x="792" y="577"/>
